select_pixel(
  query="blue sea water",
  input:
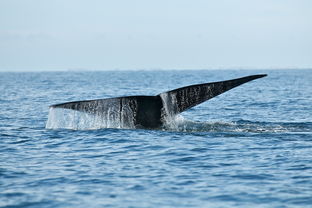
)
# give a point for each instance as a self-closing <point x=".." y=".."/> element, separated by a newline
<point x="249" y="147"/>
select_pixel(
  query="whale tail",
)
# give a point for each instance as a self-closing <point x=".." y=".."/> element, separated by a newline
<point x="148" y="111"/>
<point x="184" y="98"/>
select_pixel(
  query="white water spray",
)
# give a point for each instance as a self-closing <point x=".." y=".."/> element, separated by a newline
<point x="114" y="115"/>
<point x="170" y="118"/>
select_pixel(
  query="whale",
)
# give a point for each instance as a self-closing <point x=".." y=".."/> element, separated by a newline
<point x="151" y="112"/>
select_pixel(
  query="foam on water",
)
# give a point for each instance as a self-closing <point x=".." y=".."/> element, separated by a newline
<point x="182" y="124"/>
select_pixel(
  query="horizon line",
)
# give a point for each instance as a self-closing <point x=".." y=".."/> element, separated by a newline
<point x="155" y="69"/>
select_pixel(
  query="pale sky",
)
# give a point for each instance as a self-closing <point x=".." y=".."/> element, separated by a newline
<point x="39" y="35"/>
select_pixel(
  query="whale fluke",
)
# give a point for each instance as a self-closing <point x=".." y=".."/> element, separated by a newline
<point x="150" y="111"/>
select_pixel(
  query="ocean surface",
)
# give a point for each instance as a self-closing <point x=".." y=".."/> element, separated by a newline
<point x="249" y="147"/>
